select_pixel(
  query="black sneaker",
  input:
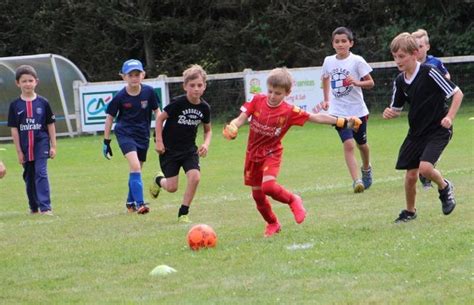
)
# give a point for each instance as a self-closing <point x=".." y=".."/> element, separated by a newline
<point x="405" y="216"/>
<point x="131" y="207"/>
<point x="446" y="195"/>
<point x="425" y="182"/>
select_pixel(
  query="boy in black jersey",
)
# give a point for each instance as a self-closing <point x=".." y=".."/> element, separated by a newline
<point x="430" y="120"/>
<point x="176" y="140"/>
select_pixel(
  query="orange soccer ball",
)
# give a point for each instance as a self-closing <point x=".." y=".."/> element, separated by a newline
<point x="201" y="236"/>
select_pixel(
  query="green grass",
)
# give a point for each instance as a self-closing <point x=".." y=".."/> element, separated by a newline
<point x="92" y="252"/>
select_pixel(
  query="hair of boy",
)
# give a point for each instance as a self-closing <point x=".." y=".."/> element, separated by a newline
<point x="193" y="72"/>
<point x="405" y="42"/>
<point x="25" y="69"/>
<point x="421" y="33"/>
<point x="280" y="77"/>
<point x="343" y="30"/>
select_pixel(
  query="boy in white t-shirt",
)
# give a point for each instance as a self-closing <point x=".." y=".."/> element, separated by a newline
<point x="345" y="75"/>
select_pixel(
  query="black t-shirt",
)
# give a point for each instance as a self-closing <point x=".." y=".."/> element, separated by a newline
<point x="427" y="93"/>
<point x="180" y="130"/>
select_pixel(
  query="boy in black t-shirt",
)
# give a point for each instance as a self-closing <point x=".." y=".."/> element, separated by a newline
<point x="176" y="140"/>
<point x="430" y="121"/>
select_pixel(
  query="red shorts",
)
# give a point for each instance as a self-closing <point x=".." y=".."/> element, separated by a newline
<point x="255" y="171"/>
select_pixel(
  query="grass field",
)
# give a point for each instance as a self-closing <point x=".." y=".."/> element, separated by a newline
<point x="348" y="251"/>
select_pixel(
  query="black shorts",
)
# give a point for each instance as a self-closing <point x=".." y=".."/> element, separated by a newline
<point x="427" y="148"/>
<point x="172" y="161"/>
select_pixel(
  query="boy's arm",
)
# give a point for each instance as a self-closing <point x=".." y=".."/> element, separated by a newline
<point x="159" y="145"/>
<point x="447" y="121"/>
<point x="3" y="170"/>
<point x="202" y="151"/>
<point x="322" y="118"/>
<point x="230" y="130"/>
<point x="240" y="120"/>
<point x="326" y="88"/>
<point x="16" y="140"/>
<point x="367" y="82"/>
<point x="52" y="140"/>
<point x="109" y="120"/>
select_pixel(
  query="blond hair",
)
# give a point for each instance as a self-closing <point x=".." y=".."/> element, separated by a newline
<point x="405" y="42"/>
<point x="280" y="77"/>
<point x="421" y="33"/>
<point x="193" y="72"/>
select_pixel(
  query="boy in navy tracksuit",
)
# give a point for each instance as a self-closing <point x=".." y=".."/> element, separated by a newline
<point x="34" y="134"/>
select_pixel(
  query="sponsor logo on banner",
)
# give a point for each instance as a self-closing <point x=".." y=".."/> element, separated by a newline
<point x="95" y="105"/>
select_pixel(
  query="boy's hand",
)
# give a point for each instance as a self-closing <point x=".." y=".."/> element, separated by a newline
<point x="160" y="147"/>
<point x="447" y="122"/>
<point x="230" y="131"/>
<point x="202" y="151"/>
<point x="52" y="152"/>
<point x="3" y="170"/>
<point x="21" y="157"/>
<point x="106" y="149"/>
<point x="354" y="123"/>
<point x="390" y="113"/>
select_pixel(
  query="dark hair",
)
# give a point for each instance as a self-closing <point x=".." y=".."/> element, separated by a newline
<point x="343" y="30"/>
<point x="25" y="69"/>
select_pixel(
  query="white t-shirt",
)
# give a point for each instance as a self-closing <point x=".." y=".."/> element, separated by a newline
<point x="346" y="100"/>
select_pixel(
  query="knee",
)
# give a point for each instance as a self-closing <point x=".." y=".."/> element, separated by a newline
<point x="267" y="187"/>
<point x="172" y="188"/>
<point x="194" y="178"/>
<point x="411" y="177"/>
<point x="425" y="169"/>
<point x="258" y="196"/>
<point x="349" y="145"/>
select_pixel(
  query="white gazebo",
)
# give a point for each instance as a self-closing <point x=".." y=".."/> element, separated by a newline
<point x="56" y="76"/>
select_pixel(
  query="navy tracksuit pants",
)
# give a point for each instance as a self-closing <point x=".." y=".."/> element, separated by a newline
<point x="35" y="175"/>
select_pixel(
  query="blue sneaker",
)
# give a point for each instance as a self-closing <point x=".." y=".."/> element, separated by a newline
<point x="366" y="176"/>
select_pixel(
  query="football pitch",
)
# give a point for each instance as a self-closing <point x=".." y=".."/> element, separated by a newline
<point x="348" y="251"/>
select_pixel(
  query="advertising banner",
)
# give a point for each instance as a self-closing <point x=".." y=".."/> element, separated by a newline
<point x="306" y="93"/>
<point x="94" y="99"/>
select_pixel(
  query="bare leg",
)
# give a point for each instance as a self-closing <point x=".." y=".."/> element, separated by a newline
<point x="411" y="177"/>
<point x="428" y="171"/>
<point x="193" y="176"/>
<point x="351" y="161"/>
<point x="364" y="155"/>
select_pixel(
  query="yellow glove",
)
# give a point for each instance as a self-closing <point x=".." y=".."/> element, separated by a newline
<point x="230" y="131"/>
<point x="352" y="122"/>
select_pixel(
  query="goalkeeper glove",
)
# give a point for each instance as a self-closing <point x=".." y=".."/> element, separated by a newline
<point x="230" y="131"/>
<point x="106" y="149"/>
<point x="352" y="122"/>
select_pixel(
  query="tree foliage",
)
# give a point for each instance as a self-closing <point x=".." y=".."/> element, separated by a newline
<point x="223" y="36"/>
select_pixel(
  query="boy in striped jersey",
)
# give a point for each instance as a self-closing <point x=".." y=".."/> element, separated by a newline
<point x="430" y="121"/>
<point x="32" y="126"/>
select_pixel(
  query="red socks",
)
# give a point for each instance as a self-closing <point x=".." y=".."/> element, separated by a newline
<point x="263" y="206"/>
<point x="276" y="191"/>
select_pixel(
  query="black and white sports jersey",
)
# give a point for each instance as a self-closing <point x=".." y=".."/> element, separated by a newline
<point x="180" y="130"/>
<point x="427" y="93"/>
